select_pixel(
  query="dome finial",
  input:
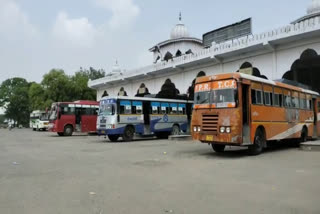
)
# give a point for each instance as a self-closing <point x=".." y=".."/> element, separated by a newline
<point x="180" y="16"/>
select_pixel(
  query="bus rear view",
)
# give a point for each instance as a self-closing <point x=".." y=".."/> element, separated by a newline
<point x="216" y="117"/>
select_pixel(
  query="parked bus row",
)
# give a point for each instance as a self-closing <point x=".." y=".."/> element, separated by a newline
<point x="233" y="109"/>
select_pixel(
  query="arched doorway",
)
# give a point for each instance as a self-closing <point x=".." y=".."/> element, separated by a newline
<point x="306" y="70"/>
<point x="142" y="91"/>
<point x="168" y="90"/>
<point x="105" y="94"/>
<point x="122" y="92"/>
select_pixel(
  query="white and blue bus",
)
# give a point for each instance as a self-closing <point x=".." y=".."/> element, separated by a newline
<point x="125" y="117"/>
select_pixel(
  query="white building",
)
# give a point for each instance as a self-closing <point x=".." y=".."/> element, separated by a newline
<point x="181" y="58"/>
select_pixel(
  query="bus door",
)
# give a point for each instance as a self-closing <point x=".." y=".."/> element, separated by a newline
<point x="78" y="118"/>
<point x="244" y="96"/>
<point x="146" y="112"/>
<point x="316" y="107"/>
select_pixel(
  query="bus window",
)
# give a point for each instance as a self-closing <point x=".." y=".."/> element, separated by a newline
<point x="164" y="108"/>
<point x="256" y="97"/>
<point x="67" y="110"/>
<point x="303" y="101"/>
<point x="173" y="108"/>
<point x="267" y="98"/>
<point x="277" y="97"/>
<point x="268" y="91"/>
<point x="155" y="108"/>
<point x="295" y="100"/>
<point x="136" y="107"/>
<point x="287" y="99"/>
<point x="182" y="109"/>
<point x="125" y="107"/>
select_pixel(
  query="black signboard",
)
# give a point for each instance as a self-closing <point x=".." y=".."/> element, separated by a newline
<point x="239" y="29"/>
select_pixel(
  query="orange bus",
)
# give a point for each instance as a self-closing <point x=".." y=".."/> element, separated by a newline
<point x="238" y="109"/>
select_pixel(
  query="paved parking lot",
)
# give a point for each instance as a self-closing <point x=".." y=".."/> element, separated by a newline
<point x="43" y="173"/>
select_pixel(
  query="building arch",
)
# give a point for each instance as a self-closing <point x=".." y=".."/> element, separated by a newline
<point x="255" y="71"/>
<point x="168" y="90"/>
<point x="178" y="53"/>
<point x="168" y="56"/>
<point x="306" y="70"/>
<point x="189" y="51"/>
<point x="142" y="91"/>
<point x="105" y="94"/>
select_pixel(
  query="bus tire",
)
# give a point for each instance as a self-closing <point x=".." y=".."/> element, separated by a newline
<point x="259" y="142"/>
<point x="113" y="138"/>
<point x="128" y="134"/>
<point x="175" y="130"/>
<point x="68" y="130"/>
<point x="33" y="129"/>
<point x="218" y="148"/>
<point x="60" y="134"/>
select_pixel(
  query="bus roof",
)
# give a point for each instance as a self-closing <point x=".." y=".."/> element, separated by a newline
<point x="239" y="76"/>
<point x="81" y="102"/>
<point x="147" y="99"/>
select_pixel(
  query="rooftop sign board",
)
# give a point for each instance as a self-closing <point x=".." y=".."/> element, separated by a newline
<point x="236" y="30"/>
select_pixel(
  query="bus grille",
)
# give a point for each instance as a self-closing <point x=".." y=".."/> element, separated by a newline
<point x="210" y="123"/>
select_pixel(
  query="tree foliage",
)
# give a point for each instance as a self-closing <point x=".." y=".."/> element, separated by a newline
<point x="20" y="98"/>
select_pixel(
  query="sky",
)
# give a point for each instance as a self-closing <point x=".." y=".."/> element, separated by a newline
<point x="38" y="35"/>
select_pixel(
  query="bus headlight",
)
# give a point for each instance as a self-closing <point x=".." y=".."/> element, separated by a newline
<point x="228" y="129"/>
<point x="195" y="129"/>
<point x="199" y="129"/>
<point x="222" y="129"/>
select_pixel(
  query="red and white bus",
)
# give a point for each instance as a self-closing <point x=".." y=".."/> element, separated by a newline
<point x="68" y="117"/>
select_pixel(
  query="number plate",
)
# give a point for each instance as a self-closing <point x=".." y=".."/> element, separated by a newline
<point x="209" y="138"/>
<point x="103" y="132"/>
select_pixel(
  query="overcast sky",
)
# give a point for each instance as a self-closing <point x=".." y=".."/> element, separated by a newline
<point x="38" y="35"/>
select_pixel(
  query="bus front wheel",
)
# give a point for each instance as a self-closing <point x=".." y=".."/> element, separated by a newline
<point x="128" y="134"/>
<point x="259" y="142"/>
<point x="68" y="130"/>
<point x="113" y="138"/>
<point x="218" y="148"/>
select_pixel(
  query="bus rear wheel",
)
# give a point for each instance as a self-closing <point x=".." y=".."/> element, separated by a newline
<point x="175" y="130"/>
<point x="128" y="134"/>
<point x="218" y="148"/>
<point x="68" y="130"/>
<point x="113" y="138"/>
<point x="259" y="142"/>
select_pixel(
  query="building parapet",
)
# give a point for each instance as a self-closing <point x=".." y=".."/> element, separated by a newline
<point x="307" y="26"/>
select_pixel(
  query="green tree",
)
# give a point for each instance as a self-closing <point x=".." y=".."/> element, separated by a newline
<point x="94" y="74"/>
<point x="81" y="91"/>
<point x="37" y="97"/>
<point x="57" y="86"/>
<point x="14" y="98"/>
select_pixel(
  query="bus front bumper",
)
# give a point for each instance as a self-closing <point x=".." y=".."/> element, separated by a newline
<point x="118" y="131"/>
<point x="225" y="139"/>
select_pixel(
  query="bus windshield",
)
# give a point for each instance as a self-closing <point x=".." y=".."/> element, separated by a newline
<point x="220" y="93"/>
<point x="107" y="109"/>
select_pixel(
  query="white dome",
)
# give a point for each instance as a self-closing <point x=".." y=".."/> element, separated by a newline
<point x="314" y="7"/>
<point x="179" y="31"/>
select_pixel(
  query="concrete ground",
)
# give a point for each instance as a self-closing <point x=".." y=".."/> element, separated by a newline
<point x="43" y="173"/>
